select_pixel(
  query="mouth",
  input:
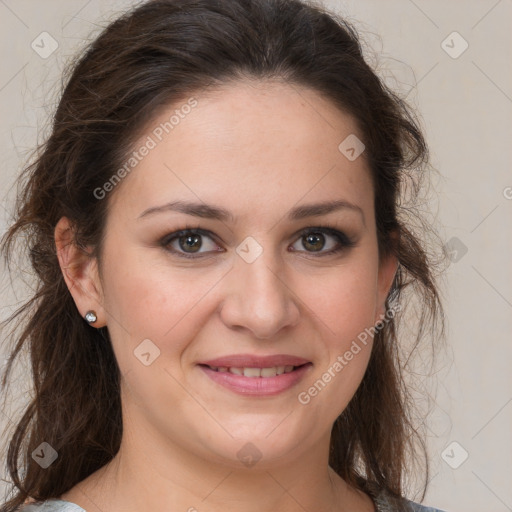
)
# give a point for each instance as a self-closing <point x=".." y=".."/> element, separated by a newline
<point x="257" y="378"/>
<point x="253" y="372"/>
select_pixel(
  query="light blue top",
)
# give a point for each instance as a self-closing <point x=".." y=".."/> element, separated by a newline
<point x="54" y="505"/>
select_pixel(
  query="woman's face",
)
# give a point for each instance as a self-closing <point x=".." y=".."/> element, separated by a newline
<point x="247" y="169"/>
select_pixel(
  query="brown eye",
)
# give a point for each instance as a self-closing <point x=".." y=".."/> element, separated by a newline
<point x="322" y="240"/>
<point x="314" y="241"/>
<point x="190" y="243"/>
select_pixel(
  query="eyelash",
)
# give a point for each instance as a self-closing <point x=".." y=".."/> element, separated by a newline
<point x="344" y="242"/>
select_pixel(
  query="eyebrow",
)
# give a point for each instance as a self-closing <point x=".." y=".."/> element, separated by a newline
<point x="209" y="211"/>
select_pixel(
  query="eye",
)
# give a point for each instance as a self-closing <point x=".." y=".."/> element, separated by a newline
<point x="323" y="240"/>
<point x="196" y="242"/>
<point x="188" y="242"/>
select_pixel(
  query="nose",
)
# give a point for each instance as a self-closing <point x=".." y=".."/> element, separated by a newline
<point x="258" y="299"/>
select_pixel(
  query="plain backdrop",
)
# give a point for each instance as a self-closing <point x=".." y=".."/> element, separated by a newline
<point x="452" y="61"/>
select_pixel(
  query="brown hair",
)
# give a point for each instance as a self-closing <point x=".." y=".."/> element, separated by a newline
<point x="157" y="54"/>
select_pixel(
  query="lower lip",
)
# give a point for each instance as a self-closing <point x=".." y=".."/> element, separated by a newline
<point x="257" y="386"/>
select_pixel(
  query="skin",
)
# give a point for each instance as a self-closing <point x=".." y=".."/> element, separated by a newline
<point x="257" y="149"/>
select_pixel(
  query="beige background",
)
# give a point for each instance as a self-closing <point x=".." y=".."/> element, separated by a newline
<point x="466" y="107"/>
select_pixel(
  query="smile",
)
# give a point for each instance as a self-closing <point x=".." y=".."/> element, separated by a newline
<point x="250" y="381"/>
<point x="256" y="372"/>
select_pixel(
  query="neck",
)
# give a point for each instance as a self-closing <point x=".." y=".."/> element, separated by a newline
<point x="151" y="473"/>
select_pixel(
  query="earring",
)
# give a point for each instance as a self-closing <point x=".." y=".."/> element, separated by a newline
<point x="90" y="317"/>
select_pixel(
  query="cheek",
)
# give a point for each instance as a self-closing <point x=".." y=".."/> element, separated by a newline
<point x="345" y="306"/>
<point x="343" y="300"/>
<point x="152" y="301"/>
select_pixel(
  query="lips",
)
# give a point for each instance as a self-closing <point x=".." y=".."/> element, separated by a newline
<point x="255" y="372"/>
<point x="256" y="375"/>
<point x="252" y="361"/>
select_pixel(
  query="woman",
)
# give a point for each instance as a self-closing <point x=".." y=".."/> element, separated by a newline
<point x="215" y="225"/>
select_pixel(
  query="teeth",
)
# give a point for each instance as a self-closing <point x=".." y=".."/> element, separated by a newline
<point x="252" y="372"/>
<point x="269" y="372"/>
<point x="255" y="372"/>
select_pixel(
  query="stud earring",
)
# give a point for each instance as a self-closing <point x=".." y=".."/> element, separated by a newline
<point x="90" y="317"/>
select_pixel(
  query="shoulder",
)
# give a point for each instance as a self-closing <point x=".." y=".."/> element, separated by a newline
<point x="416" y="507"/>
<point x="385" y="502"/>
<point x="51" y="505"/>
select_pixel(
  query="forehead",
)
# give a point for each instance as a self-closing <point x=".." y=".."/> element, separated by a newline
<point x="247" y="145"/>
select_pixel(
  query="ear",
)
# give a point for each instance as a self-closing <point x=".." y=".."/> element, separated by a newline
<point x="388" y="266"/>
<point x="80" y="271"/>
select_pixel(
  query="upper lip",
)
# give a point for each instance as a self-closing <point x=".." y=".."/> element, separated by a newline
<point x="252" y="361"/>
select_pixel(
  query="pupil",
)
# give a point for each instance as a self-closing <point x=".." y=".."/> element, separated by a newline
<point x="315" y="241"/>
<point x="190" y="242"/>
